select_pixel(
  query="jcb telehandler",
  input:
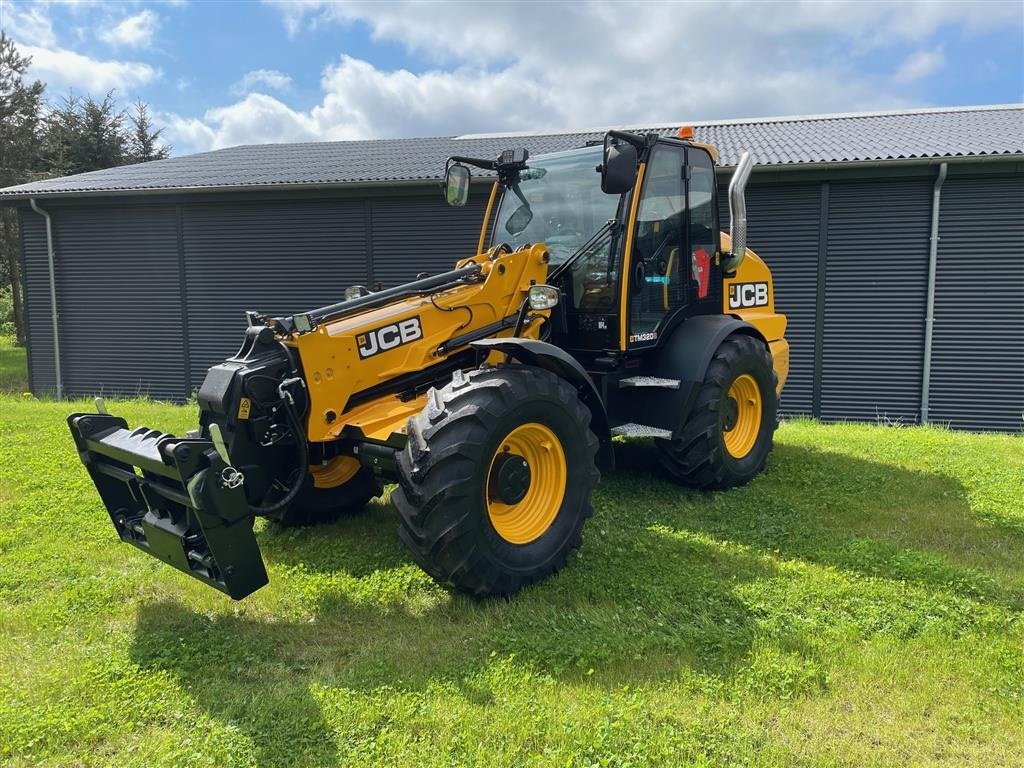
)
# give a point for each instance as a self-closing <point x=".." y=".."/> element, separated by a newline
<point x="604" y="303"/>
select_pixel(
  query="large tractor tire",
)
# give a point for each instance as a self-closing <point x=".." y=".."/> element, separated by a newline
<point x="341" y="487"/>
<point x="495" y="480"/>
<point x="729" y="431"/>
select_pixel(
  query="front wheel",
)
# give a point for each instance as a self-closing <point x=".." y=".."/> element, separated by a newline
<point x="728" y="434"/>
<point x="495" y="479"/>
<point x="339" y="488"/>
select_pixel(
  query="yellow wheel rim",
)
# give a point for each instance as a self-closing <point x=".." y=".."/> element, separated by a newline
<point x="528" y="518"/>
<point x="741" y="421"/>
<point x="337" y="471"/>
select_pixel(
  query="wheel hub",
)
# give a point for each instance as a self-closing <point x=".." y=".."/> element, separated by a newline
<point x="730" y="412"/>
<point x="741" y="416"/>
<point x="526" y="483"/>
<point x="510" y="478"/>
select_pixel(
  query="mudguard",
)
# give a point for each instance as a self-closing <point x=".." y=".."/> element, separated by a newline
<point x="561" y="363"/>
<point x="687" y="353"/>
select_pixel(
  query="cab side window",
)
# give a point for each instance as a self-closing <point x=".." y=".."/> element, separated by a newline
<point x="661" y="273"/>
<point x="703" y="235"/>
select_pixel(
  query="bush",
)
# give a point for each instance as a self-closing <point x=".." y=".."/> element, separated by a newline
<point x="6" y="312"/>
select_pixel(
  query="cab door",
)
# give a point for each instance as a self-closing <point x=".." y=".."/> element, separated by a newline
<point x="674" y="243"/>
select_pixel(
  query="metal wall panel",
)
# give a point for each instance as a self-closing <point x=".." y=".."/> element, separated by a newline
<point x="782" y="228"/>
<point x="978" y="341"/>
<point x="420" y="233"/>
<point x="120" y="297"/>
<point x="280" y="257"/>
<point x="877" y="269"/>
<point x="118" y="301"/>
<point x="36" y="283"/>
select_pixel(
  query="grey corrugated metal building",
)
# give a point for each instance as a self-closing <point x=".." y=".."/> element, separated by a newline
<point x="155" y="263"/>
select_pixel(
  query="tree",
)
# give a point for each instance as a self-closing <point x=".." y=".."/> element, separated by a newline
<point x="20" y="107"/>
<point x="83" y="134"/>
<point x="144" y="142"/>
<point x="61" y="130"/>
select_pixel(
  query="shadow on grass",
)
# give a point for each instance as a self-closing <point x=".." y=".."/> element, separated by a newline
<point x="863" y="516"/>
<point x="242" y="674"/>
<point x="655" y="589"/>
<point x="674" y="608"/>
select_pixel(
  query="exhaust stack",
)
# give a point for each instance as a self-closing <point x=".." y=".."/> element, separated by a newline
<point x="738" y="213"/>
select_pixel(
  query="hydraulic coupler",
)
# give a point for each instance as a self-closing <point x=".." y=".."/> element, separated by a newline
<point x="176" y="498"/>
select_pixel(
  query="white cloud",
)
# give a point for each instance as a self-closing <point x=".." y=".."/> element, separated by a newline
<point x="269" y="78"/>
<point x="185" y="134"/>
<point x="133" y="31"/>
<point x="60" y="68"/>
<point x="27" y="26"/>
<point x="499" y="67"/>
<point x="271" y="118"/>
<point x="499" y="29"/>
<point x="919" y="65"/>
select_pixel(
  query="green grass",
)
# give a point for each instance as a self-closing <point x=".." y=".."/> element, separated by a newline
<point x="860" y="603"/>
<point x="13" y="366"/>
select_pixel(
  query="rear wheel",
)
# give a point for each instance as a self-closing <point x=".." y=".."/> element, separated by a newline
<point x="730" y="429"/>
<point x="496" y="478"/>
<point x="340" y="487"/>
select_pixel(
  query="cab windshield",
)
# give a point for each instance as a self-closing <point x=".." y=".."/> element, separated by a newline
<point x="563" y="192"/>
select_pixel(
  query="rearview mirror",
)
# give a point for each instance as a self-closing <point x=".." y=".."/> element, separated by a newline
<point x="519" y="220"/>
<point x="618" y="168"/>
<point x="456" y="185"/>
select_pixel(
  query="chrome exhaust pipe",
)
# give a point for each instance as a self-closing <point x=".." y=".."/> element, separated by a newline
<point x="738" y="213"/>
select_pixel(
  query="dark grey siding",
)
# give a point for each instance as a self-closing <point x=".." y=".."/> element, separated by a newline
<point x="275" y="256"/>
<point x="978" y="353"/>
<point x="782" y="228"/>
<point x="875" y="299"/>
<point x="150" y="294"/>
<point x="36" y="281"/>
<point x="118" y="301"/>
<point x="421" y="234"/>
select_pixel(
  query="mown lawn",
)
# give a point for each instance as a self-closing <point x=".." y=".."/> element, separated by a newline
<point x="13" y="366"/>
<point x="861" y="603"/>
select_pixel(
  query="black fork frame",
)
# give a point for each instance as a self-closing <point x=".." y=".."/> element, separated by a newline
<point x="175" y="498"/>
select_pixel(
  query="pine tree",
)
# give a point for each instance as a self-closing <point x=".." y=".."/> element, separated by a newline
<point x="144" y="142"/>
<point x="82" y="135"/>
<point x="20" y="105"/>
<point x="60" y="142"/>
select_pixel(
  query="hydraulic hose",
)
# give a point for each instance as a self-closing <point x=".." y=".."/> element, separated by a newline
<point x="303" y="460"/>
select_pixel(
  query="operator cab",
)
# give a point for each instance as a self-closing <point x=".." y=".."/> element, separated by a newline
<point x="646" y="201"/>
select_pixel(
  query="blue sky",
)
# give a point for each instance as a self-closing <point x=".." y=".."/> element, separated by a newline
<point x="224" y="73"/>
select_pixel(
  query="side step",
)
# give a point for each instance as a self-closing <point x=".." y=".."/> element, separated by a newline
<point x="649" y="381"/>
<point x="641" y="430"/>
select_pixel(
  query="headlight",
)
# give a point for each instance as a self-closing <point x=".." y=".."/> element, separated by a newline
<point x="543" y="297"/>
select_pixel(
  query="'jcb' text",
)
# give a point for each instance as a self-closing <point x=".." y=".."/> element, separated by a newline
<point x="388" y="337"/>
<point x="745" y="295"/>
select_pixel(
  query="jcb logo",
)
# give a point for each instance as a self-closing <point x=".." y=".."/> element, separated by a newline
<point x="746" y="295"/>
<point x="388" y="337"/>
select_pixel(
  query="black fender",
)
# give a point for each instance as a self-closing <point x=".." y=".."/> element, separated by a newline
<point x="686" y="355"/>
<point x="562" y="364"/>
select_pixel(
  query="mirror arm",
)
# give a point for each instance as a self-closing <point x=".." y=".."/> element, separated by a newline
<point x="514" y="186"/>
<point x="487" y="165"/>
<point x="637" y="140"/>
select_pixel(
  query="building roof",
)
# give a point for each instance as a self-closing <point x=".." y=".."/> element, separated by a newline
<point x="924" y="135"/>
